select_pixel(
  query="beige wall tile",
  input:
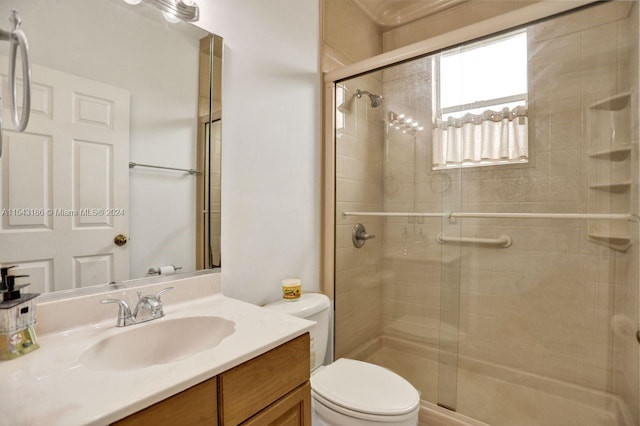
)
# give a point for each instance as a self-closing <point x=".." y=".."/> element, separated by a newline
<point x="544" y="305"/>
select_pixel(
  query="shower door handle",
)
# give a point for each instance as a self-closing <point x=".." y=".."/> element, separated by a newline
<point x="359" y="235"/>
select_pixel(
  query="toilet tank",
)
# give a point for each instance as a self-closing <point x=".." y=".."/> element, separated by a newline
<point x="313" y="307"/>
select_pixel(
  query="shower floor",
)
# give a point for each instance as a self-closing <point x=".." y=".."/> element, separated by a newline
<point x="497" y="401"/>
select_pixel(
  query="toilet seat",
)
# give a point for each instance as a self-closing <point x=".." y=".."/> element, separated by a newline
<point x="364" y="391"/>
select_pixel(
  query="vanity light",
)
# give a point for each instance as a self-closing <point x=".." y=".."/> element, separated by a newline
<point x="174" y="11"/>
<point x="178" y="10"/>
<point x="170" y="17"/>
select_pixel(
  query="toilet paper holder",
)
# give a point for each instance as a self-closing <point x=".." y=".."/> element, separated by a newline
<point x="158" y="270"/>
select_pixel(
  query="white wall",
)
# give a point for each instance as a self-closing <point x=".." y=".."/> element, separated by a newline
<point x="271" y="143"/>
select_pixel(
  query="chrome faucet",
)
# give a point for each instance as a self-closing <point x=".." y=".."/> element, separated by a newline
<point x="149" y="307"/>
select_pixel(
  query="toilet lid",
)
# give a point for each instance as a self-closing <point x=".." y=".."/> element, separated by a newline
<point x="366" y="388"/>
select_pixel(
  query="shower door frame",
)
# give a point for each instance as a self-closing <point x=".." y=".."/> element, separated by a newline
<point x="507" y="21"/>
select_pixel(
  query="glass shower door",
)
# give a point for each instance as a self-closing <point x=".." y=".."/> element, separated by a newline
<point x="397" y="295"/>
<point x="450" y="189"/>
<point x="508" y="291"/>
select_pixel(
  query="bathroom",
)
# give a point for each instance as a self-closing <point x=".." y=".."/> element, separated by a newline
<point x="281" y="60"/>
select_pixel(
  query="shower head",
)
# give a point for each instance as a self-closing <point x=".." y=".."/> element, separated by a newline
<point x="376" y="100"/>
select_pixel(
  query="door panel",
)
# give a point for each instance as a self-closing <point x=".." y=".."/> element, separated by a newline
<point x="27" y="180"/>
<point x="60" y="179"/>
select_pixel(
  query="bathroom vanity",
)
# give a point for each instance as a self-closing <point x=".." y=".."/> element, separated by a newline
<point x="271" y="389"/>
<point x="209" y="360"/>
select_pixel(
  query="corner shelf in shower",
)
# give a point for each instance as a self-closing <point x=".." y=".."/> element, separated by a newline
<point x="613" y="103"/>
<point x="616" y="242"/>
<point x="614" y="154"/>
<point x="615" y="187"/>
<point x="610" y="164"/>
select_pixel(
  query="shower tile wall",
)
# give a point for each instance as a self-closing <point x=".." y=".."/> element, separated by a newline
<point x="534" y="318"/>
<point x="358" y="301"/>
<point x="625" y="381"/>
<point x="543" y="306"/>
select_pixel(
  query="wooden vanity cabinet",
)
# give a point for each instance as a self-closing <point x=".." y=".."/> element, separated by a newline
<point x="194" y="406"/>
<point x="271" y="389"/>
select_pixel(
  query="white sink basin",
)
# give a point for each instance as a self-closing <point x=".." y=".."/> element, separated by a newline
<point x="157" y="342"/>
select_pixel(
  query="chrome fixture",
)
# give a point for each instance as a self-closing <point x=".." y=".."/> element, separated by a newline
<point x="190" y="171"/>
<point x="149" y="307"/>
<point x="376" y="100"/>
<point x="184" y="10"/>
<point x="359" y="235"/>
<point x="17" y="39"/>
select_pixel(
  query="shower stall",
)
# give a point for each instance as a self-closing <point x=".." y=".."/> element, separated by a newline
<point x="495" y="182"/>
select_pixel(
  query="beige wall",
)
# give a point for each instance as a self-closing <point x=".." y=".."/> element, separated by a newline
<point x="348" y="34"/>
<point x="456" y="17"/>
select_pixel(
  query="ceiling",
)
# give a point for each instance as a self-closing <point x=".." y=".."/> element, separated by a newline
<point x="392" y="13"/>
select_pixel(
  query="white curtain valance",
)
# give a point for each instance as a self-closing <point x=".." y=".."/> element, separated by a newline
<point x="490" y="137"/>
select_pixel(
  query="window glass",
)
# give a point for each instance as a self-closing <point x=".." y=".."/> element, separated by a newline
<point x="481" y="104"/>
<point x="490" y="70"/>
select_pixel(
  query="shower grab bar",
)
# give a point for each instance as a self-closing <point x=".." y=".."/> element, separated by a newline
<point x="190" y="171"/>
<point x="576" y="216"/>
<point x="17" y="39"/>
<point x="503" y="241"/>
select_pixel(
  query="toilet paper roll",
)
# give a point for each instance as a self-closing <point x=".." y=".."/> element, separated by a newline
<point x="167" y="270"/>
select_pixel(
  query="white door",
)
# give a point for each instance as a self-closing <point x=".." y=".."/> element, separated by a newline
<point x="65" y="183"/>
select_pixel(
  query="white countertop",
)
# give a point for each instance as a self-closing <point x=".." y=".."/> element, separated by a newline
<point x="50" y="386"/>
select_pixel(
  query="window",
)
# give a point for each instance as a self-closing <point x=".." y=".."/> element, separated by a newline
<point x="481" y="103"/>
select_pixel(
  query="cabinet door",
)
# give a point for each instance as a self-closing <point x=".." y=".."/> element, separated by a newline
<point x="194" y="406"/>
<point x="249" y="388"/>
<point x="294" y="409"/>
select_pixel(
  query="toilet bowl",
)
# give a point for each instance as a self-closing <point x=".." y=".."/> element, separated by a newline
<point x="348" y="392"/>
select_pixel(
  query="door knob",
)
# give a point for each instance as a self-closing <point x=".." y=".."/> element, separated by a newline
<point x="120" y="240"/>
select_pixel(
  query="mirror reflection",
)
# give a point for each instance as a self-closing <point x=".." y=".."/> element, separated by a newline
<point x="117" y="174"/>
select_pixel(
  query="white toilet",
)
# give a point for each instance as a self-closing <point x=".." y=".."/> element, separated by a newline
<point x="349" y="392"/>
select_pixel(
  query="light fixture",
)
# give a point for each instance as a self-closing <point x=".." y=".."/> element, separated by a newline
<point x="170" y="17"/>
<point x="178" y="10"/>
<point x="133" y="2"/>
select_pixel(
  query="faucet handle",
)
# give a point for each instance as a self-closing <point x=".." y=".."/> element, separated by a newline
<point x="162" y="291"/>
<point x="124" y="312"/>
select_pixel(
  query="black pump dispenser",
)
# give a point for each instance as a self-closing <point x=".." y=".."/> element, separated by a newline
<point x="12" y="292"/>
<point x="4" y="272"/>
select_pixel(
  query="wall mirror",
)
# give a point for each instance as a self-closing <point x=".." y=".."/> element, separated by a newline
<point x="116" y="89"/>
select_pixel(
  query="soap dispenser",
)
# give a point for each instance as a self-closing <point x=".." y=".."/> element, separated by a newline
<point x="17" y="317"/>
